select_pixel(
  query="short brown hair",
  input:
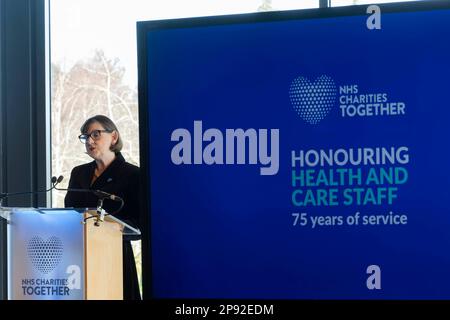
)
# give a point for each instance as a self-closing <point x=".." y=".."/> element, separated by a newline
<point x="108" y="125"/>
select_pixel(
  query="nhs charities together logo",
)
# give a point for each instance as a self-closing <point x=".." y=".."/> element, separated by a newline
<point x="46" y="256"/>
<point x="313" y="101"/>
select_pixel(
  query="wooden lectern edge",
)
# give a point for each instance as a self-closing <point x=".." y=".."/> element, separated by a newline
<point x="103" y="259"/>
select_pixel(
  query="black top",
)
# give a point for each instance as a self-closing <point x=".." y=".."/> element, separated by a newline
<point x="121" y="179"/>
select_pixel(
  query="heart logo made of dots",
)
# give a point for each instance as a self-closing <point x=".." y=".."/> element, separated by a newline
<point x="313" y="101"/>
<point x="45" y="255"/>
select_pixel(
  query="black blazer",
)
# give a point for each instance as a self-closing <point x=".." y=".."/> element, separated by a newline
<point x="120" y="179"/>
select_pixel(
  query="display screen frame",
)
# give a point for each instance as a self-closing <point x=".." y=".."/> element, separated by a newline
<point x="146" y="27"/>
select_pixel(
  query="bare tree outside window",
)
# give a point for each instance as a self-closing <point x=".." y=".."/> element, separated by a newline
<point x="92" y="86"/>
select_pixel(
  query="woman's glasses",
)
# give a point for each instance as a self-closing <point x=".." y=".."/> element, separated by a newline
<point x="95" y="135"/>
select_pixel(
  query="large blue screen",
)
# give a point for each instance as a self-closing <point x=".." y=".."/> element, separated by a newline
<point x="301" y="158"/>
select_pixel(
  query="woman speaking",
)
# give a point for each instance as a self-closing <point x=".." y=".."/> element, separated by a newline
<point x="109" y="172"/>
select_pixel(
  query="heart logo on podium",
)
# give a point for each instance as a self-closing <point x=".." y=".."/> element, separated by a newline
<point x="313" y="101"/>
<point x="45" y="255"/>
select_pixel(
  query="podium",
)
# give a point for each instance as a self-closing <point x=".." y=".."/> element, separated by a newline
<point x="60" y="254"/>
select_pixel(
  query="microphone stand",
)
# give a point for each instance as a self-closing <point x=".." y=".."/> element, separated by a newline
<point x="101" y="213"/>
<point x="55" y="181"/>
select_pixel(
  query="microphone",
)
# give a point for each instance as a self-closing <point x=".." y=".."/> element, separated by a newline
<point x="102" y="195"/>
<point x="99" y="193"/>
<point x="55" y="181"/>
<point x="106" y="195"/>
